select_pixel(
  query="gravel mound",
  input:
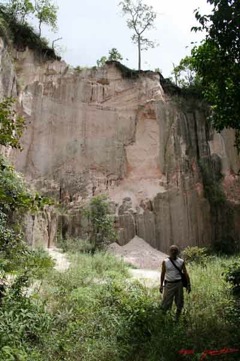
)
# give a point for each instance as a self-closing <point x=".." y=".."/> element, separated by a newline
<point x="139" y="253"/>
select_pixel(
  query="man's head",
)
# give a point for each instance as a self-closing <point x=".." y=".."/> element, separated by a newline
<point x="173" y="251"/>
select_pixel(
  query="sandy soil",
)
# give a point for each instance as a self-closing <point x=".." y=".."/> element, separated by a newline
<point x="139" y="253"/>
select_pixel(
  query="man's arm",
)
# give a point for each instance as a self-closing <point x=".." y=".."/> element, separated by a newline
<point x="163" y="272"/>
<point x="184" y="269"/>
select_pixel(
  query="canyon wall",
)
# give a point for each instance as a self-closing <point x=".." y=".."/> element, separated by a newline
<point x="169" y="177"/>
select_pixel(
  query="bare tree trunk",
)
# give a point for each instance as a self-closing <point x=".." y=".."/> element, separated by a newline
<point x="139" y="53"/>
<point x="40" y="29"/>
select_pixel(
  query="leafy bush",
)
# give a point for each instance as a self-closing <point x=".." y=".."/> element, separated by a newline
<point x="15" y="193"/>
<point x="195" y="254"/>
<point x="12" y="247"/>
<point x="11" y="125"/>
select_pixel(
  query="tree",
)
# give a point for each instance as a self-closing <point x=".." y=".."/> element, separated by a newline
<point x="114" y="55"/>
<point x="184" y="73"/>
<point x="46" y="13"/>
<point x="101" y="61"/>
<point x="102" y="230"/>
<point x="20" y="9"/>
<point x="217" y="62"/>
<point x="44" y="10"/>
<point x="141" y="17"/>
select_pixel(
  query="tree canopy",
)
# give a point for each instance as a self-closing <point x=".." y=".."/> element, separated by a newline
<point x="44" y="10"/>
<point x="46" y="13"/>
<point x="217" y="62"/>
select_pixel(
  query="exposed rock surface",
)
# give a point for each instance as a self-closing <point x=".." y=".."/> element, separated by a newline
<point x="96" y="131"/>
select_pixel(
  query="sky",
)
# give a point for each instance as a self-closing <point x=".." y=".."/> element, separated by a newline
<point x="90" y="28"/>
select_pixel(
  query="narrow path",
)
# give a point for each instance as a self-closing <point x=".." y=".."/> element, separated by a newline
<point x="148" y="278"/>
<point x="61" y="262"/>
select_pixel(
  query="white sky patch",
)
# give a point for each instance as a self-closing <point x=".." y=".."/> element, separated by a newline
<point x="89" y="29"/>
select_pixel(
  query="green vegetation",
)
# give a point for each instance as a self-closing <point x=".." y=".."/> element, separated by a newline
<point x="113" y="55"/>
<point x="95" y="312"/>
<point x="43" y="10"/>
<point x="16" y="29"/>
<point x="20" y="318"/>
<point x="197" y="255"/>
<point x="214" y="66"/>
<point x="101" y="223"/>
<point x="186" y="77"/>
<point x="21" y="321"/>
<point x="217" y="62"/>
<point x="46" y="13"/>
<point x="73" y="245"/>
<point x="11" y="124"/>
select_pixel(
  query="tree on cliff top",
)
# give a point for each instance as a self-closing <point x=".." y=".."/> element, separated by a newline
<point x="44" y="10"/>
<point x="113" y="55"/>
<point x="20" y="9"/>
<point x="141" y="17"/>
<point x="217" y="63"/>
<point x="46" y="13"/>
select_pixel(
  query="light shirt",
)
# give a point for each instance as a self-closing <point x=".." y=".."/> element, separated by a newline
<point x="172" y="274"/>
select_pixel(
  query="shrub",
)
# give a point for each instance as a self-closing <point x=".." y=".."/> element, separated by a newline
<point x="195" y="254"/>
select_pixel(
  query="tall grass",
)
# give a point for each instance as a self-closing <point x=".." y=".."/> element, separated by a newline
<point x="96" y="312"/>
<point x="100" y="314"/>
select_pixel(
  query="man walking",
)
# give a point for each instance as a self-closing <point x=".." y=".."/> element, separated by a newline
<point x="171" y="281"/>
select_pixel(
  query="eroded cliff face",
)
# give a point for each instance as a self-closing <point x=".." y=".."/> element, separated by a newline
<point x="96" y="131"/>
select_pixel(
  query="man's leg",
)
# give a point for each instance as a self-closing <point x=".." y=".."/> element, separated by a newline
<point x="179" y="299"/>
<point x="168" y="295"/>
